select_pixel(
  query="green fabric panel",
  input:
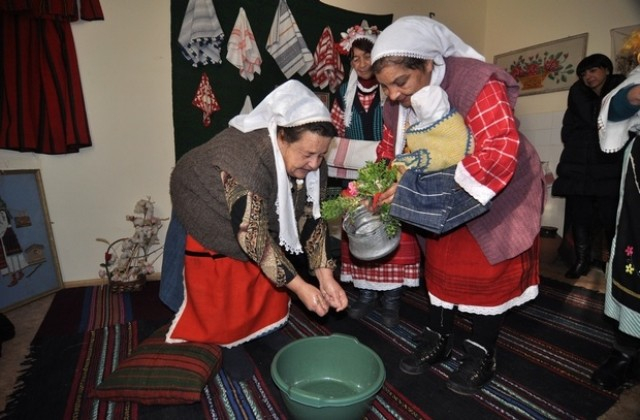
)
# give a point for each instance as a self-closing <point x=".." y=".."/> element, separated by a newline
<point x="230" y="89"/>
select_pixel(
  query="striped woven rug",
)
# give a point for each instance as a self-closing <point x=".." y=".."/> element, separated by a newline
<point x="547" y="351"/>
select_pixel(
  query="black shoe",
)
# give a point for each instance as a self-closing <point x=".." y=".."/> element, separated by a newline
<point x="580" y="268"/>
<point x="433" y="348"/>
<point x="366" y="303"/>
<point x="478" y="367"/>
<point x="391" y="307"/>
<point x="617" y="371"/>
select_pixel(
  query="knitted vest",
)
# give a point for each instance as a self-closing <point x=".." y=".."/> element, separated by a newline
<point x="513" y="222"/>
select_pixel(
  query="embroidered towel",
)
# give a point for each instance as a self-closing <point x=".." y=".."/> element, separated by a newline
<point x="201" y="35"/>
<point x="286" y="44"/>
<point x="205" y="100"/>
<point x="242" y="50"/>
<point x="327" y="69"/>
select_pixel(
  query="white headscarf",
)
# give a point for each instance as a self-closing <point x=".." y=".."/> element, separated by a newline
<point x="425" y="38"/>
<point x="422" y="37"/>
<point x="289" y="105"/>
<point x="362" y="31"/>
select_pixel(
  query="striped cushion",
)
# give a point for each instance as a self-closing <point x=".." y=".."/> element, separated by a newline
<point x="161" y="373"/>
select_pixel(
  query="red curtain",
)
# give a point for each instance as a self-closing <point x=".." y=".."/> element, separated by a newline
<point x="42" y="107"/>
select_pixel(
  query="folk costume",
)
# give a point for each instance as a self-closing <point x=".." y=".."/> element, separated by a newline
<point x="357" y="115"/>
<point x="241" y="214"/>
<point x="489" y="264"/>
<point x="439" y="139"/>
<point x="619" y="127"/>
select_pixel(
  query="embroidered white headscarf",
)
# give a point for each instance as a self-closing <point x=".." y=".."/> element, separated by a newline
<point x="425" y="38"/>
<point x="362" y="31"/>
<point x="291" y="104"/>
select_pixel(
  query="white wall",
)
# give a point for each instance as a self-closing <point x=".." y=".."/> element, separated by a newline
<point x="125" y="66"/>
<point x="511" y="25"/>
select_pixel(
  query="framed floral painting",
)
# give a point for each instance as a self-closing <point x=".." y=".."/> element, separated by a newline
<point x="28" y="261"/>
<point x="546" y="67"/>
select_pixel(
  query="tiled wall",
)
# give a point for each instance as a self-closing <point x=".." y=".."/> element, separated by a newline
<point x="543" y="130"/>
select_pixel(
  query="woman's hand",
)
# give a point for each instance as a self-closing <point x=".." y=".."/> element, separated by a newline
<point x="312" y="298"/>
<point x="331" y="290"/>
<point x="634" y="96"/>
<point x="387" y="196"/>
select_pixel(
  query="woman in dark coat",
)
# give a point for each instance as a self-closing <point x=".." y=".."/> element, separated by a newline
<point x="588" y="178"/>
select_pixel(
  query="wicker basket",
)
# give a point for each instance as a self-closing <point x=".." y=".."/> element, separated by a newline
<point x="128" y="286"/>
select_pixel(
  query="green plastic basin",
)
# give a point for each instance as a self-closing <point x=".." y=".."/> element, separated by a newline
<point x="327" y="377"/>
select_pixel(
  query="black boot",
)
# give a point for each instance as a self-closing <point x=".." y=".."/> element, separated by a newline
<point x="433" y="348"/>
<point x="391" y="307"/>
<point x="478" y="367"/>
<point x="582" y="248"/>
<point x="617" y="371"/>
<point x="366" y="303"/>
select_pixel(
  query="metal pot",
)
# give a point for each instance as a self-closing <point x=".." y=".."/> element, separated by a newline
<point x="367" y="237"/>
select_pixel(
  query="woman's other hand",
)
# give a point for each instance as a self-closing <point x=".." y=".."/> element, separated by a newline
<point x="387" y="196"/>
<point x="312" y="298"/>
<point x="333" y="293"/>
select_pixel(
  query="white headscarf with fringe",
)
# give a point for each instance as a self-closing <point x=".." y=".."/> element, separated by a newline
<point x="424" y="38"/>
<point x="289" y="105"/>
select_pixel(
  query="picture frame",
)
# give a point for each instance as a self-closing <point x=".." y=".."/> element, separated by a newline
<point x="29" y="267"/>
<point x="546" y="67"/>
<point x="618" y="38"/>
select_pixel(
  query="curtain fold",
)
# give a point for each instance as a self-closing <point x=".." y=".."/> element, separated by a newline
<point x="42" y="107"/>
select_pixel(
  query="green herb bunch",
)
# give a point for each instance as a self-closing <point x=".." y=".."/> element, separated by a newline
<point x="373" y="178"/>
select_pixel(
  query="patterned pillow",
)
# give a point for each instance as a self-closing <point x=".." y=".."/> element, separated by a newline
<point x="161" y="373"/>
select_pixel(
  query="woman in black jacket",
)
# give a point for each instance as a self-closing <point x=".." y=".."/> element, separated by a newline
<point x="588" y="178"/>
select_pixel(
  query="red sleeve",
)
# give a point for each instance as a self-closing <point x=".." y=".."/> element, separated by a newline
<point x="386" y="148"/>
<point x="493" y="161"/>
<point x="337" y="117"/>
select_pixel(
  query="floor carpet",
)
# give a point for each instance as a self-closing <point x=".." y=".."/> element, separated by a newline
<point x="546" y="353"/>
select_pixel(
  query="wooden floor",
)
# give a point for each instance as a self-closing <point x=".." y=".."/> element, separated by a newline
<point x="27" y="319"/>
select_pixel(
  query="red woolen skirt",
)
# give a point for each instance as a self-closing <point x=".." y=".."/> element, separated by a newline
<point x="227" y="301"/>
<point x="456" y="271"/>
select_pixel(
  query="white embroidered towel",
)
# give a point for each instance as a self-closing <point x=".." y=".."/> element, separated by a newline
<point x="242" y="50"/>
<point x="286" y="44"/>
<point x="201" y="35"/>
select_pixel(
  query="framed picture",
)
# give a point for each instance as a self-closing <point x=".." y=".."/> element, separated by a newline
<point x="546" y="67"/>
<point x="28" y="262"/>
<point x="618" y="38"/>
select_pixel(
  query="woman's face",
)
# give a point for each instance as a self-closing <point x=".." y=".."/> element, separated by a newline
<point x="361" y="63"/>
<point x="305" y="154"/>
<point x="594" y="78"/>
<point x="399" y="82"/>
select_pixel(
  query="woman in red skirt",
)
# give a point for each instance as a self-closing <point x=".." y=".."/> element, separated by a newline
<point x="484" y="212"/>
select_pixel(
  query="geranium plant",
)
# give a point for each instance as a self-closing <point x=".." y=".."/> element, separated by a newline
<point x="551" y="64"/>
<point x="373" y="179"/>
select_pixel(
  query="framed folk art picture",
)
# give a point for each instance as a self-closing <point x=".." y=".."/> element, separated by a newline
<point x="546" y="67"/>
<point x="28" y="262"/>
